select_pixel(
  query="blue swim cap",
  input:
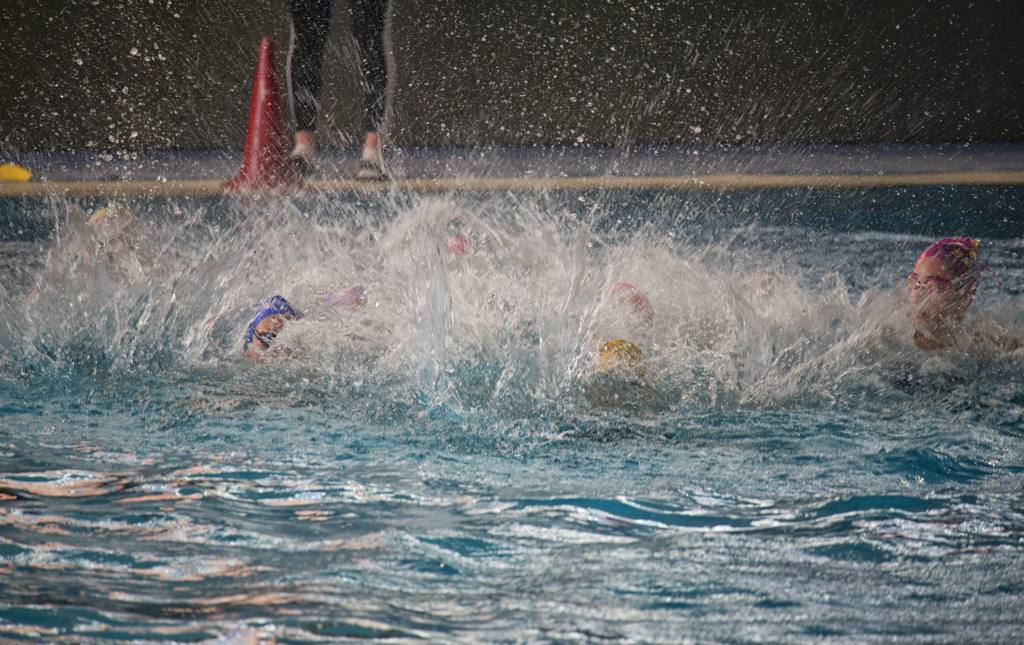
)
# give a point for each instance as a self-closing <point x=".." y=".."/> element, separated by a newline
<point x="276" y="306"/>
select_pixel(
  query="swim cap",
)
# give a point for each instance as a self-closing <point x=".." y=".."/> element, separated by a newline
<point x="276" y="306"/>
<point x="620" y="356"/>
<point x="459" y="245"/>
<point x="111" y="216"/>
<point x="101" y="215"/>
<point x="347" y="298"/>
<point x="625" y="293"/>
<point x="961" y="253"/>
<point x="115" y="224"/>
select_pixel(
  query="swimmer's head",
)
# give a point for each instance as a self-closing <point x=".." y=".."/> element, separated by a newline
<point x="959" y="253"/>
<point x="348" y="298"/>
<point x="634" y="300"/>
<point x="459" y="245"/>
<point x="115" y="228"/>
<point x="112" y="219"/>
<point x="267" y="323"/>
<point x="620" y="358"/>
<point x="944" y="280"/>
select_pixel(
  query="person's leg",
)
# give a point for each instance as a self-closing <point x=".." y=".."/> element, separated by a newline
<point x="368" y="18"/>
<point x="310" y="22"/>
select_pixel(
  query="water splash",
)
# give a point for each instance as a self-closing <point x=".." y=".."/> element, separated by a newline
<point x="745" y="318"/>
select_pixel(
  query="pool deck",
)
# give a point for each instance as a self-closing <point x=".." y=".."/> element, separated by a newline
<point x="202" y="173"/>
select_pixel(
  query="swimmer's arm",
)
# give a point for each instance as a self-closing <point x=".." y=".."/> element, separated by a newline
<point x="1000" y="340"/>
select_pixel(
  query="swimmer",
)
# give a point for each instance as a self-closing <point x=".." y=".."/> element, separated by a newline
<point x="459" y="245"/>
<point x="629" y="314"/>
<point x="268" y="322"/>
<point x="94" y="251"/>
<point x="619" y="379"/>
<point x="115" y="229"/>
<point x="622" y="359"/>
<point x="941" y="288"/>
<point x="625" y="294"/>
<point x="618" y="375"/>
<point x="625" y="312"/>
<point x="352" y="297"/>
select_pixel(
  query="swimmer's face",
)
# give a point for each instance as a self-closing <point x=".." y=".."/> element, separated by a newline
<point x="115" y="228"/>
<point x="936" y="293"/>
<point x="265" y="332"/>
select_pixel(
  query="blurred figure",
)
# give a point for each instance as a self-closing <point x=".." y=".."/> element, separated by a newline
<point x="627" y="295"/>
<point x="310" y="24"/>
<point x="115" y="230"/>
<point x="622" y="359"/>
<point x="349" y="298"/>
<point x="618" y="376"/>
<point x="626" y="312"/>
<point x="94" y="251"/>
<point x="619" y="379"/>
<point x="265" y="326"/>
<point x="941" y="288"/>
<point x="459" y="245"/>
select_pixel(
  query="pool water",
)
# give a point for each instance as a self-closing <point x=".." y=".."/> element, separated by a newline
<point x="429" y="466"/>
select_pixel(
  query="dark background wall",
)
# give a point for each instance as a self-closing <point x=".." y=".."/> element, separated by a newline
<point x="129" y="75"/>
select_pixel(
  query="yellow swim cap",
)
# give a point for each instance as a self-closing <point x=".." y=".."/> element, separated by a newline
<point x="620" y="357"/>
<point x="104" y="216"/>
<point x="113" y="219"/>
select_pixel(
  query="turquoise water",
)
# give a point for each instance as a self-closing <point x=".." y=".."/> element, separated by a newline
<point x="429" y="467"/>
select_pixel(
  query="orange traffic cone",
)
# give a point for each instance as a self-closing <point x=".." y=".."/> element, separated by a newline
<point x="265" y="162"/>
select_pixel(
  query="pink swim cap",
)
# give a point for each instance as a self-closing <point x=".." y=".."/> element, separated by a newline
<point x="626" y="293"/>
<point x="459" y="245"/>
<point x="348" y="298"/>
<point x="961" y="253"/>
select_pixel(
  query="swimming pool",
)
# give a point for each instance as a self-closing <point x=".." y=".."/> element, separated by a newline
<point x="427" y="467"/>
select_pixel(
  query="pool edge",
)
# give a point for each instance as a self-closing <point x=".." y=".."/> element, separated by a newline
<point x="720" y="182"/>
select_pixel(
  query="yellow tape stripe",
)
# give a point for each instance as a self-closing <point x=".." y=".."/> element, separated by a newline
<point x="199" y="188"/>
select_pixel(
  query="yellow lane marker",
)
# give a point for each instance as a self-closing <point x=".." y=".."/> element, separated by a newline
<point x="10" y="172"/>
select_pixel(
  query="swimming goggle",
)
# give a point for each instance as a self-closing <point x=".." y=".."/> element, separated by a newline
<point x="266" y="338"/>
<point x="941" y="284"/>
<point x="276" y="306"/>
